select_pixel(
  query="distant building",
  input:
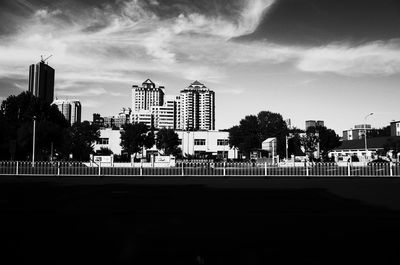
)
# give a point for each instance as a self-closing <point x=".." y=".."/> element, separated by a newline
<point x="41" y="81"/>
<point x="113" y="122"/>
<point x="314" y="123"/>
<point x="71" y="109"/>
<point x="143" y="116"/>
<point x="146" y="96"/>
<point x="357" y="133"/>
<point x="395" y="128"/>
<point x="197" y="108"/>
<point x="164" y="116"/>
<point x="357" y="148"/>
<point x="289" y="123"/>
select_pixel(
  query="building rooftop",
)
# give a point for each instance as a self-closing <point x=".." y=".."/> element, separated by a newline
<point x="372" y="143"/>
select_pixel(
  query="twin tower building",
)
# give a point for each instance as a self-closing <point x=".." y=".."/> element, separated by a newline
<point x="193" y="109"/>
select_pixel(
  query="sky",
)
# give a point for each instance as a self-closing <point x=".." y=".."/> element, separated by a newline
<point x="330" y="60"/>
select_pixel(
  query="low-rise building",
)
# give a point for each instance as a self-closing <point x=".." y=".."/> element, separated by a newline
<point x="199" y="144"/>
<point x="110" y="139"/>
<point x="395" y="128"/>
<point x="357" y="132"/>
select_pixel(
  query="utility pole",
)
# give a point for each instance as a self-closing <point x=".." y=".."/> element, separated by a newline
<point x="365" y="133"/>
<point x="34" y="141"/>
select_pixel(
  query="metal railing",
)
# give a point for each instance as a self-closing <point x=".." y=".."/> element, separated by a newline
<point x="198" y="169"/>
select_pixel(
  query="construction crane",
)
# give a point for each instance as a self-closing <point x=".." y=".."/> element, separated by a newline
<point x="43" y="61"/>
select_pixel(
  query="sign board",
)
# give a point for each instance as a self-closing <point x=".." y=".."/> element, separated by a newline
<point x="102" y="159"/>
<point x="165" y="159"/>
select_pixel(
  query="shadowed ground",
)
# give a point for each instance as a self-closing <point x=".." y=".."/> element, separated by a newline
<point x="200" y="221"/>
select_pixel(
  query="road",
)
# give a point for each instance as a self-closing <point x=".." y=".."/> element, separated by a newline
<point x="169" y="220"/>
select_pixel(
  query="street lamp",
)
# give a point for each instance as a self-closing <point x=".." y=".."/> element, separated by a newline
<point x="33" y="140"/>
<point x="365" y="132"/>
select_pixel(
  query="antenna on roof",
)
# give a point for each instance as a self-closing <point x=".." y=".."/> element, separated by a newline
<point x="43" y="61"/>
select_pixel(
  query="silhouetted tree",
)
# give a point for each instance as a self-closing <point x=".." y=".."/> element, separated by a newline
<point x="104" y="151"/>
<point x="136" y="136"/>
<point x="168" y="141"/>
<point x="253" y="130"/>
<point x="16" y="121"/>
<point x="328" y="139"/>
<point x="81" y="139"/>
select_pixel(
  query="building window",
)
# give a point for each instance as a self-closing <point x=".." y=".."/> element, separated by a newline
<point x="179" y="141"/>
<point x="103" y="141"/>
<point x="199" y="141"/>
<point x="222" y="142"/>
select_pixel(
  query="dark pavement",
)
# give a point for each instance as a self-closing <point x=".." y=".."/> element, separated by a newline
<point x="199" y="221"/>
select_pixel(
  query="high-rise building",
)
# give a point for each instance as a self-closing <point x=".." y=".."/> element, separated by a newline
<point x="146" y="96"/>
<point x="197" y="108"/>
<point x="41" y="81"/>
<point x="314" y="123"/>
<point x="71" y="109"/>
<point x="164" y="116"/>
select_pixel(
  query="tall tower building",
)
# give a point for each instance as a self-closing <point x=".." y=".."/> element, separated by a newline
<point x="197" y="108"/>
<point x="146" y="96"/>
<point x="71" y="109"/>
<point x="41" y="81"/>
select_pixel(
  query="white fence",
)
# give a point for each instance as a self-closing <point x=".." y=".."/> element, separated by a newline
<point x="197" y="169"/>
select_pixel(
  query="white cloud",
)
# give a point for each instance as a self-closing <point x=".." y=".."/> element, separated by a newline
<point x="377" y="58"/>
<point x="108" y="46"/>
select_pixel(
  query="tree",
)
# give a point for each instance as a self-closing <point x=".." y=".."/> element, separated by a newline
<point x="253" y="130"/>
<point x="16" y="119"/>
<point x="80" y="140"/>
<point x="328" y="139"/>
<point x="104" y="151"/>
<point x="136" y="136"/>
<point x="273" y="125"/>
<point x="168" y="141"/>
<point x="295" y="142"/>
<point x="392" y="145"/>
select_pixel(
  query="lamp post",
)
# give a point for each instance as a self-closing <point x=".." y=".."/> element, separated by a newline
<point x="33" y="140"/>
<point x="365" y="132"/>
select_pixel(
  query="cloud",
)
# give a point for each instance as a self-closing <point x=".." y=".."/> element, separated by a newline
<point x="122" y="44"/>
<point x="376" y="58"/>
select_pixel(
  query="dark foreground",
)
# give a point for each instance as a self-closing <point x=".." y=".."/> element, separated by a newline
<point x="200" y="221"/>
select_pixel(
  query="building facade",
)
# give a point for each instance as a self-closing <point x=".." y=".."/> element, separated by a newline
<point x="71" y="109"/>
<point x="395" y="128"/>
<point x="357" y="132"/>
<point x="41" y="81"/>
<point x="114" y="122"/>
<point x="314" y="123"/>
<point x="198" y="144"/>
<point x="164" y="116"/>
<point x="146" y="96"/>
<point x="196" y="108"/>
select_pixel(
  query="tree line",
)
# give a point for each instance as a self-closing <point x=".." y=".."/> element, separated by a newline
<point x="254" y="129"/>
<point x="57" y="139"/>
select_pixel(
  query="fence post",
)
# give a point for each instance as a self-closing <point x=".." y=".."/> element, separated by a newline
<point x="141" y="168"/>
<point x="391" y="169"/>
<point x="224" y="168"/>
<point x="99" y="168"/>
<point x="348" y="170"/>
<point x="183" y="172"/>
<point x="265" y="168"/>
<point x="58" y="168"/>
<point x="307" y="172"/>
<point x="16" y="169"/>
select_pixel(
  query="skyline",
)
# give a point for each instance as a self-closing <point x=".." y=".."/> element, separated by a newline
<point x="306" y="59"/>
